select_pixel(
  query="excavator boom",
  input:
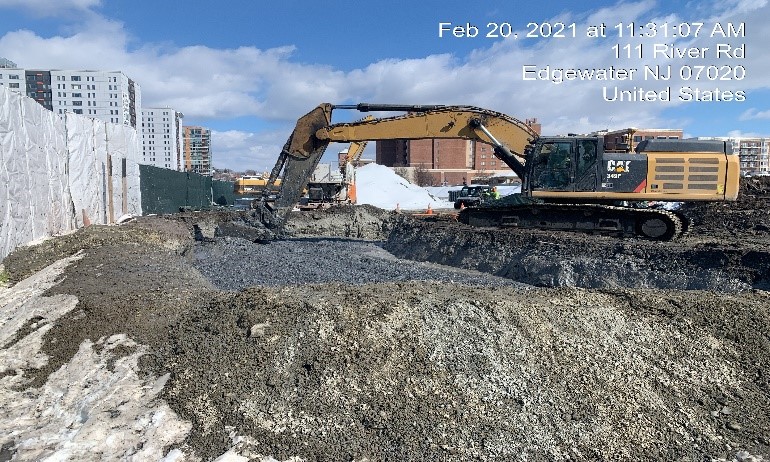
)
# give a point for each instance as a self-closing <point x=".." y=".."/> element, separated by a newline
<point x="314" y="132"/>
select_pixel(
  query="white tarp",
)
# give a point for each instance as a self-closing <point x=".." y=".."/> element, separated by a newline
<point x="61" y="173"/>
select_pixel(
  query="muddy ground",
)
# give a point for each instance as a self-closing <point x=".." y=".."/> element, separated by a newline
<point x="564" y="347"/>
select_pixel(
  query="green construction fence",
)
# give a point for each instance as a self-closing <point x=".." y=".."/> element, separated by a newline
<point x="168" y="191"/>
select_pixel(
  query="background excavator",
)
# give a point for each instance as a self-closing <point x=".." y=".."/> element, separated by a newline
<point x="568" y="182"/>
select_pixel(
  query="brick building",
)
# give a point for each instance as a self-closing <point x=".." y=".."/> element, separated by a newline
<point x="445" y="161"/>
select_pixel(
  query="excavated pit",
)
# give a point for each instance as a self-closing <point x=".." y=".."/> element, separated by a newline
<point x="321" y="358"/>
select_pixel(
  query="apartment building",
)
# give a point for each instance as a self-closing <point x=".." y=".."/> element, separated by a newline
<point x="754" y="154"/>
<point x="162" y="138"/>
<point x="109" y="96"/>
<point x="197" y="150"/>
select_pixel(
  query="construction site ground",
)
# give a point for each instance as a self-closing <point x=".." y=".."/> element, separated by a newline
<point x="371" y="335"/>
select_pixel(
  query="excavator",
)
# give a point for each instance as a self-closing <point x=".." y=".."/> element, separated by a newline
<point x="573" y="182"/>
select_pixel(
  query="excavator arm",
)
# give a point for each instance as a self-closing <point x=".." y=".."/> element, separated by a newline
<point x="508" y="135"/>
<point x="314" y="131"/>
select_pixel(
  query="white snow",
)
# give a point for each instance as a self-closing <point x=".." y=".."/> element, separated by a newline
<point x="86" y="411"/>
<point x="379" y="186"/>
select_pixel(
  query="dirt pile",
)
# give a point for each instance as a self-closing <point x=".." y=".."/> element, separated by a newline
<point x="350" y="369"/>
<point x="359" y="222"/>
<point x="747" y="218"/>
<point x="572" y="259"/>
<point x="727" y="249"/>
<point x="447" y="372"/>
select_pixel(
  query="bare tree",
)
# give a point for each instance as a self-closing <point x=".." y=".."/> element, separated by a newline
<point x="403" y="172"/>
<point x="423" y="177"/>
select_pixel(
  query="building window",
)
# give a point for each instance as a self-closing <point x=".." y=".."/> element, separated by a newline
<point x="76" y="78"/>
<point x="77" y="95"/>
<point x="637" y="138"/>
<point x="673" y="137"/>
<point x="13" y="85"/>
<point x="13" y="76"/>
<point x="77" y="111"/>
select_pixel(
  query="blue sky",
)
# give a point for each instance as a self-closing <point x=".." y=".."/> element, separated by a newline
<point x="247" y="69"/>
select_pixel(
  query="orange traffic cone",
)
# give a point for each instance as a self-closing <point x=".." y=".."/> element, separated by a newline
<point x="429" y="211"/>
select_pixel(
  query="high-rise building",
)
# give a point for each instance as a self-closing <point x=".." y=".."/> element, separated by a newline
<point x="162" y="138"/>
<point x="109" y="96"/>
<point x="197" y="150"/>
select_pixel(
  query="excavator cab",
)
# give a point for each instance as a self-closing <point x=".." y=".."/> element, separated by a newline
<point x="564" y="164"/>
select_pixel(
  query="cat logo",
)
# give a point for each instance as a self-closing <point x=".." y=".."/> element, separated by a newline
<point x="618" y="166"/>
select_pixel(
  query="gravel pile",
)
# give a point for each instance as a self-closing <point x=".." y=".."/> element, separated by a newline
<point x="234" y="264"/>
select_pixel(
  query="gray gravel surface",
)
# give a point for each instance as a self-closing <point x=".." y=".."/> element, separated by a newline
<point x="233" y="264"/>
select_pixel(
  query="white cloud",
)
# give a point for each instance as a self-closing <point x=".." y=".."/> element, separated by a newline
<point x="753" y="113"/>
<point x="742" y="134"/>
<point x="51" y="7"/>
<point x="242" y="150"/>
<point x="204" y="82"/>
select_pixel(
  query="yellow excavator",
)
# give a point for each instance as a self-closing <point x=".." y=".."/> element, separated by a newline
<point x="570" y="182"/>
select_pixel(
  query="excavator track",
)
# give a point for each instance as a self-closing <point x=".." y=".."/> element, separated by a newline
<point x="654" y="224"/>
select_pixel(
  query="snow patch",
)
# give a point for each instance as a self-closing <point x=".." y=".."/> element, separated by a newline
<point x="93" y="408"/>
<point x="379" y="186"/>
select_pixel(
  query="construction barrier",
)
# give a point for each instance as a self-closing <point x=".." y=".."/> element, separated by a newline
<point x="61" y="172"/>
<point x="168" y="191"/>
